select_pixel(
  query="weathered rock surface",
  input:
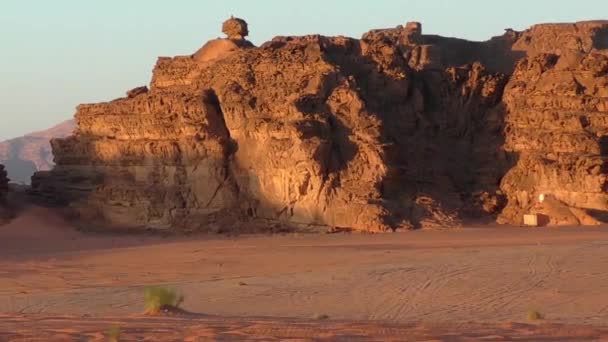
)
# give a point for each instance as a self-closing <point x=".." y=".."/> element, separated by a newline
<point x="137" y="91"/>
<point x="235" y="28"/>
<point x="25" y="155"/>
<point x="557" y="128"/>
<point x="395" y="130"/>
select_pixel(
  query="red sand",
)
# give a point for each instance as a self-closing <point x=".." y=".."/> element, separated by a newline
<point x="469" y="284"/>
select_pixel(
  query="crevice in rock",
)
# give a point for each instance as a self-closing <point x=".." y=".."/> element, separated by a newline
<point x="217" y="121"/>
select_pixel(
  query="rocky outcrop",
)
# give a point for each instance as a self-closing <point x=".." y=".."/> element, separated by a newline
<point x="3" y="181"/>
<point x="555" y="101"/>
<point x="5" y="212"/>
<point x="25" y="155"/>
<point x="395" y="130"/>
<point x="236" y="30"/>
<point x="137" y="91"/>
<point x="557" y="124"/>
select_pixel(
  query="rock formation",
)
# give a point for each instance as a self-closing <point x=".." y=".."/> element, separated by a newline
<point x="236" y="30"/>
<point x="3" y="181"/>
<point x="557" y="126"/>
<point x="25" y="155"/>
<point x="5" y="212"/>
<point x="395" y="130"/>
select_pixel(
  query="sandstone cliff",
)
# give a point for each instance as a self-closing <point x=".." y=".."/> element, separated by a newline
<point x="394" y="130"/>
<point x="25" y="155"/>
<point x="557" y="125"/>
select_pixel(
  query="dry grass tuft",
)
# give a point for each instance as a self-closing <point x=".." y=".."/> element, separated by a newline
<point x="113" y="334"/>
<point x="534" y="315"/>
<point x="160" y="298"/>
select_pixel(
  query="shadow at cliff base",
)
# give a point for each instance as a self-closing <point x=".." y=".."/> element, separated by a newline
<point x="599" y="215"/>
<point x="543" y="220"/>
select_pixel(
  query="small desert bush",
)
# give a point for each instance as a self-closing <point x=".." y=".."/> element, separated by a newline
<point x="160" y="298"/>
<point x="534" y="315"/>
<point x="321" y="317"/>
<point x="113" y="334"/>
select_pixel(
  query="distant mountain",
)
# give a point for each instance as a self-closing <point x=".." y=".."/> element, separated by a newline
<point x="32" y="152"/>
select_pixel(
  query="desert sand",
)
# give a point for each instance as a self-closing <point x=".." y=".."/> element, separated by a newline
<point x="464" y="284"/>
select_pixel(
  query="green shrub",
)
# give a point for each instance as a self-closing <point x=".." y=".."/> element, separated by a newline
<point x="114" y="334"/>
<point x="160" y="298"/>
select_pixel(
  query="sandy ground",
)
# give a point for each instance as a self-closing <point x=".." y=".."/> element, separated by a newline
<point x="468" y="284"/>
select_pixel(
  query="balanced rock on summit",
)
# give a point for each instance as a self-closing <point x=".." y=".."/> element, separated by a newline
<point x="394" y="130"/>
<point x="236" y="30"/>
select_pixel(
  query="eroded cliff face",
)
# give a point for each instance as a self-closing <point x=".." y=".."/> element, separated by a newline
<point x="557" y="126"/>
<point x="395" y="130"/>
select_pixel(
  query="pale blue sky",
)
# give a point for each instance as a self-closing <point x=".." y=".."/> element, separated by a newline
<point x="55" y="54"/>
